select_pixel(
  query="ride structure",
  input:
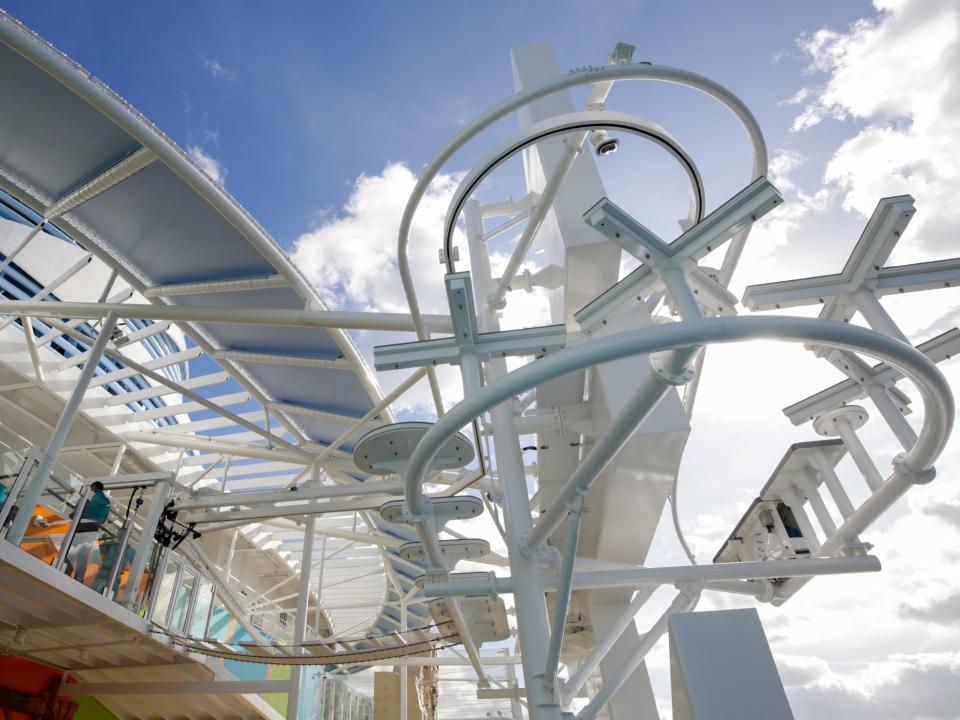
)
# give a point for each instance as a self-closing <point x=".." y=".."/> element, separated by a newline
<point x="195" y="367"/>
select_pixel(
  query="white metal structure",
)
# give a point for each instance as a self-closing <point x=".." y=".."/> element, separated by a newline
<point x="280" y="496"/>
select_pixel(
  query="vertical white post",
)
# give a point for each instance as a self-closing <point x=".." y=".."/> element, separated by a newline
<point x="300" y="627"/>
<point x="404" y="670"/>
<point x="830" y="479"/>
<point x="72" y="530"/>
<point x="859" y="454"/>
<point x="318" y="614"/>
<point x="228" y="563"/>
<point x="532" y="621"/>
<point x="161" y="492"/>
<point x="516" y="708"/>
<point x="60" y="432"/>
<point x="27" y="325"/>
<point x="819" y="507"/>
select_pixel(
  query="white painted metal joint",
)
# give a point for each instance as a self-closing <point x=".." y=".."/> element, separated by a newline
<point x="901" y="468"/>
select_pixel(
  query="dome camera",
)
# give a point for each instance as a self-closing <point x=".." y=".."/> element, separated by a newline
<point x="603" y="143"/>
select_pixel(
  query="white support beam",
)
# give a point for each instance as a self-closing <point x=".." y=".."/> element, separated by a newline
<point x="641" y="576"/>
<point x="937" y="349"/>
<point x="294" y="409"/>
<point x="294" y="508"/>
<point x="861" y="272"/>
<point x="216" y="423"/>
<point x="38" y="482"/>
<point x="733" y="217"/>
<point x="178" y="409"/>
<point x="373" y="412"/>
<point x="144" y="370"/>
<point x="272" y="497"/>
<point x="214" y="445"/>
<point x="53" y="285"/>
<point x="129" y="371"/>
<point x="135" y="337"/>
<point x="117" y="173"/>
<point x="120" y="297"/>
<point x="193" y="383"/>
<point x="134" y="162"/>
<point x="338" y="363"/>
<point x="32" y="347"/>
<point x="328" y="319"/>
<point x="211" y="287"/>
<point x="918" y="276"/>
<point x="446" y="351"/>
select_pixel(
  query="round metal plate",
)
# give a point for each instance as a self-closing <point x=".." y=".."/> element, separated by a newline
<point x="387" y="449"/>
<point x="453" y="550"/>
<point x="456" y="507"/>
<point x="826" y="424"/>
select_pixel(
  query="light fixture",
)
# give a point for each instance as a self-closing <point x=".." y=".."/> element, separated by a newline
<point x="603" y="143"/>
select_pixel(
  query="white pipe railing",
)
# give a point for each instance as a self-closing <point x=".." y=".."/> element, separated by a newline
<point x="934" y="390"/>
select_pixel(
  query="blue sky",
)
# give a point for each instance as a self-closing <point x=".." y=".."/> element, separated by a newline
<point x="297" y="102"/>
<point x="308" y="108"/>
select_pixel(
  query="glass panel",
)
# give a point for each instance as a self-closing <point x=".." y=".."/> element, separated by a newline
<point x="198" y="624"/>
<point x="221" y="623"/>
<point x="135" y="597"/>
<point x="51" y="519"/>
<point x="116" y="551"/>
<point x="165" y="592"/>
<point x="11" y="462"/>
<point x="182" y="603"/>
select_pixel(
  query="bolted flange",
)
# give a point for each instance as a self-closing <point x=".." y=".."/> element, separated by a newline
<point x="386" y="450"/>
<point x="664" y="365"/>
<point x="826" y="423"/>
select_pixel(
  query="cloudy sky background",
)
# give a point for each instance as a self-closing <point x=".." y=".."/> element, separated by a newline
<point x="318" y="119"/>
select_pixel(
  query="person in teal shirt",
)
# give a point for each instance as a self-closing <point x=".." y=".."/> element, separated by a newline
<point x="97" y="509"/>
<point x="94" y="515"/>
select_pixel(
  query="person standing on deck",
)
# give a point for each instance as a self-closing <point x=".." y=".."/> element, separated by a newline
<point x="95" y="514"/>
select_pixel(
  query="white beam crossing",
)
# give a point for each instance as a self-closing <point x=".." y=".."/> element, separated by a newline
<point x="328" y="319"/>
<point x="210" y="287"/>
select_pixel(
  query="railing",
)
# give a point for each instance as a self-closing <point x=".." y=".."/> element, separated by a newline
<point x="99" y="555"/>
<point x="173" y="592"/>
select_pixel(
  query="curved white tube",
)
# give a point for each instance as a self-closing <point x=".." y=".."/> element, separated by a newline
<point x="934" y="390"/>
<point x="586" y="76"/>
<point x="570" y="122"/>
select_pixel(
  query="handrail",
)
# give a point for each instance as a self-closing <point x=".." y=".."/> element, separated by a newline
<point x="573" y="79"/>
<point x="911" y="466"/>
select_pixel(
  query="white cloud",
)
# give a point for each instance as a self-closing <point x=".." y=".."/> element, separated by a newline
<point x="899" y="75"/>
<point x="215" y="68"/>
<point x="775" y="230"/>
<point x="351" y="258"/>
<point x="920" y="686"/>
<point x="209" y="164"/>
